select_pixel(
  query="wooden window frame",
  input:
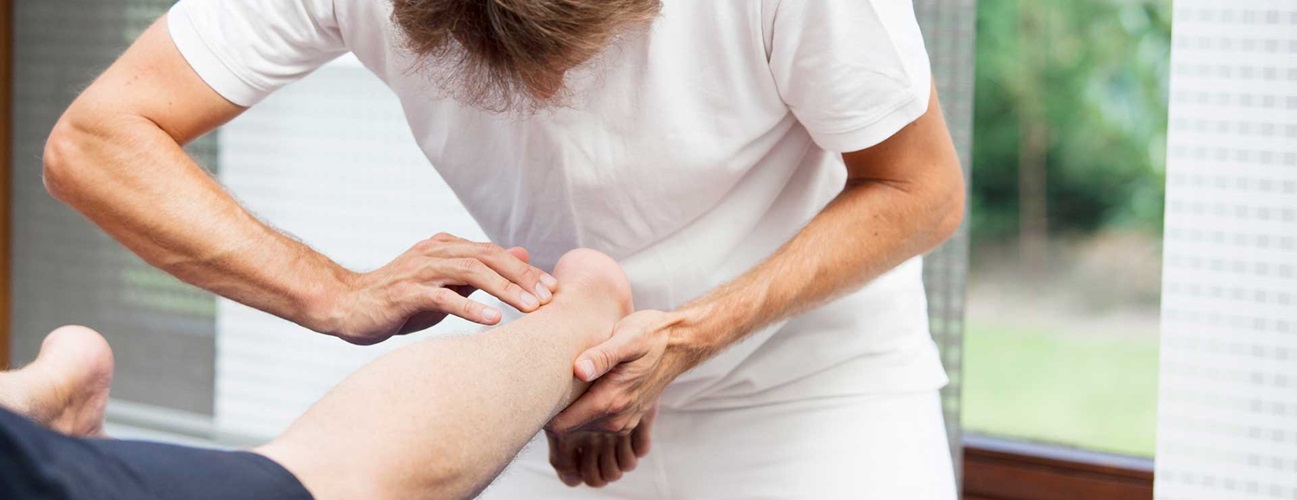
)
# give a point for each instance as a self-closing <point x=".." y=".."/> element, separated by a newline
<point x="6" y="156"/>
<point x="1003" y="469"/>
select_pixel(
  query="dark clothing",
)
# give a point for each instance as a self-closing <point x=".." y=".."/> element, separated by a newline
<point x="38" y="463"/>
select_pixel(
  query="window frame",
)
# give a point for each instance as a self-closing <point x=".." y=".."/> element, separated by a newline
<point x="1004" y="469"/>
<point x="6" y="156"/>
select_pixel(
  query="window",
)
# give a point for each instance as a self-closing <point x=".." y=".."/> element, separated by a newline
<point x="6" y="176"/>
<point x="66" y="269"/>
<point x="1069" y="141"/>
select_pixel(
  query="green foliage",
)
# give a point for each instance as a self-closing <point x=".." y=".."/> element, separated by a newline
<point x="1095" y="72"/>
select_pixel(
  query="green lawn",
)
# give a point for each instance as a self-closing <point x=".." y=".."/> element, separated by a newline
<point x="1096" y="392"/>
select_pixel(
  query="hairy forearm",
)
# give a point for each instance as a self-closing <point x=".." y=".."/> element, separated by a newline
<point x="903" y="197"/>
<point x="441" y="418"/>
<point x="116" y="156"/>
<point x="870" y="228"/>
<point x="132" y="178"/>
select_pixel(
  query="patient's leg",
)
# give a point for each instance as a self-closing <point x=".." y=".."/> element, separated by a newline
<point x="441" y="419"/>
<point x="66" y="388"/>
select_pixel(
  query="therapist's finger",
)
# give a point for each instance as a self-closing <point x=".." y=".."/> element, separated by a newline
<point x="509" y="265"/>
<point x="451" y="302"/>
<point x="641" y="437"/>
<point x="584" y="410"/>
<point x="590" y="467"/>
<point x="626" y="457"/>
<point x="521" y="254"/>
<point x="626" y="344"/>
<point x="475" y="273"/>
<point x="608" y="461"/>
<point x="562" y="455"/>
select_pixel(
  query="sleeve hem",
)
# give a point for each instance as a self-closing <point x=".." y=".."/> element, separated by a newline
<point x="876" y="131"/>
<point x="206" y="63"/>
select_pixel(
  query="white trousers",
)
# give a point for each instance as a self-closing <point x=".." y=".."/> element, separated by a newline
<point x="878" y="446"/>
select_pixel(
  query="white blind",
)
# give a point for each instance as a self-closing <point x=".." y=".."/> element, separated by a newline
<point x="65" y="270"/>
<point x="1227" y="424"/>
<point x="331" y="161"/>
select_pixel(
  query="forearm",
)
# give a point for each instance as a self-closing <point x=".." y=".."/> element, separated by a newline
<point x="903" y="197"/>
<point x="438" y="419"/>
<point x="441" y="418"/>
<point x="134" y="181"/>
<point x="870" y="228"/>
<point x="115" y="156"/>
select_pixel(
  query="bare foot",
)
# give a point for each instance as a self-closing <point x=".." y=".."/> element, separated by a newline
<point x="66" y="388"/>
<point x="595" y="280"/>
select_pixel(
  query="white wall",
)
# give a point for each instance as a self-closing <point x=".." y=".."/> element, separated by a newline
<point x="1227" y="424"/>
<point x="330" y="161"/>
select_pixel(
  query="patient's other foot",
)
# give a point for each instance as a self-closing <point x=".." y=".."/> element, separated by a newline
<point x="66" y="388"/>
<point x="594" y="282"/>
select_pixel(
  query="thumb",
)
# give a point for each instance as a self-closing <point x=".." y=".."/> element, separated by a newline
<point x="599" y="360"/>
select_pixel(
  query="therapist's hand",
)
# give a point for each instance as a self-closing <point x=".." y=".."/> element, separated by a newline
<point x="430" y="281"/>
<point x="596" y="458"/>
<point x="629" y="371"/>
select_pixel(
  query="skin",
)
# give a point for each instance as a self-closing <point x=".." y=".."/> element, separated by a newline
<point x="66" y="387"/>
<point x="116" y="157"/>
<point x="439" y="419"/>
<point x="460" y="408"/>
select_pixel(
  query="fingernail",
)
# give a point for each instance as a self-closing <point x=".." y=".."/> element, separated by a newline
<point x="490" y="315"/>
<point x="543" y="292"/>
<point x="529" y="301"/>
<point x="586" y="367"/>
<point x="549" y="281"/>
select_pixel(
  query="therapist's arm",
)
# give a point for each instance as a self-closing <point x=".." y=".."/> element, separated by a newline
<point x="116" y="157"/>
<point x="903" y="198"/>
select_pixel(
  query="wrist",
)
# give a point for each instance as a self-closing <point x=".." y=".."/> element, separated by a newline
<point x="694" y="335"/>
<point x="706" y="326"/>
<point x="325" y="304"/>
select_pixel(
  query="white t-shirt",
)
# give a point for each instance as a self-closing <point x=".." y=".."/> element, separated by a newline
<point x="693" y="151"/>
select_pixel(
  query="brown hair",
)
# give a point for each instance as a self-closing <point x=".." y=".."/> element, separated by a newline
<point x="498" y="54"/>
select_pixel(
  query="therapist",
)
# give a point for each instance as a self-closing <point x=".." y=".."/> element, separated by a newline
<point x="767" y="172"/>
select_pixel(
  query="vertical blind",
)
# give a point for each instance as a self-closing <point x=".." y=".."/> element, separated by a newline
<point x="1227" y="423"/>
<point x="65" y="270"/>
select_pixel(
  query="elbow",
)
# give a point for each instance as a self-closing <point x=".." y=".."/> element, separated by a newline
<point x="951" y="207"/>
<point x="58" y="171"/>
<point x="952" y="219"/>
<point x="66" y="160"/>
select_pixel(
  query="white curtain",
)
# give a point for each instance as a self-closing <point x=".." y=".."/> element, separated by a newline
<point x="1227" y="423"/>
